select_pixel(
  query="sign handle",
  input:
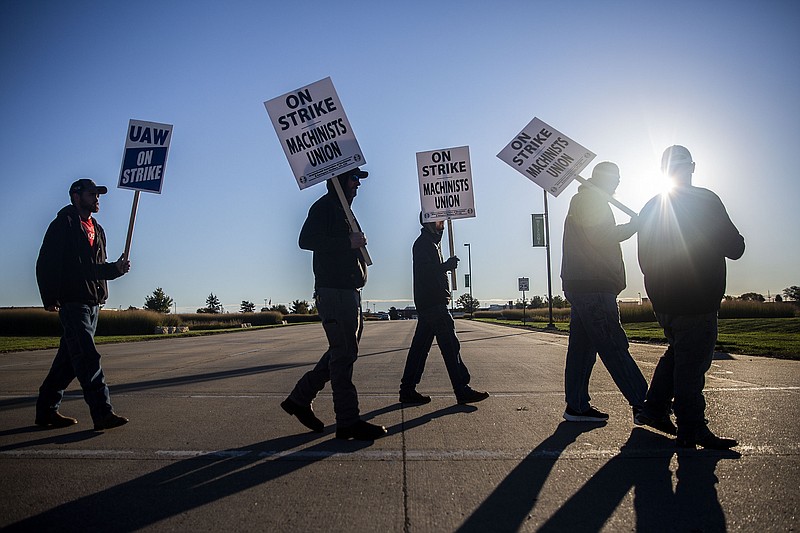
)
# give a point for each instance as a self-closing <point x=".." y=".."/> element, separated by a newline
<point x="127" y="253"/>
<point x="351" y="219"/>
<point x="613" y="201"/>
<point x="453" y="277"/>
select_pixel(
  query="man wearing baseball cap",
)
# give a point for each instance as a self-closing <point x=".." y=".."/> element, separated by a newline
<point x="72" y="275"/>
<point x="685" y="236"/>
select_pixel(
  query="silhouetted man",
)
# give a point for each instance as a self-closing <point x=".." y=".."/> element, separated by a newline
<point x="684" y="237"/>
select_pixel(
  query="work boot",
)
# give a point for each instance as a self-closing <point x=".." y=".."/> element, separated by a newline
<point x="55" y="419"/>
<point x="413" y="397"/>
<point x="361" y="430"/>
<point x="111" y="420"/>
<point x="304" y="414"/>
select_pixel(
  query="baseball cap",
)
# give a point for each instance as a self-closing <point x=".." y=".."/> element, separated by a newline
<point x="356" y="173"/>
<point x="674" y="156"/>
<point x="87" y="185"/>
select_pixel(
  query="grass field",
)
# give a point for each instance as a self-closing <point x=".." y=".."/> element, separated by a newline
<point x="773" y="337"/>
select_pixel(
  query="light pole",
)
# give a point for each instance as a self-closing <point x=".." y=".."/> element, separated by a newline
<point x="469" y="263"/>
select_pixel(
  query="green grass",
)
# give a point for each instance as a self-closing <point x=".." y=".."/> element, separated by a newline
<point x="773" y="337"/>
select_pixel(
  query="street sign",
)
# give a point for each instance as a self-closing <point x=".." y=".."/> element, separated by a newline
<point x="546" y="156"/>
<point x="524" y="284"/>
<point x="538" y="231"/>
<point x="315" y="134"/>
<point x="145" y="157"/>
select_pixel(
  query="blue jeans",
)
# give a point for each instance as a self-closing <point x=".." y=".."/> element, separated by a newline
<point x="594" y="329"/>
<point x="680" y="374"/>
<point x="340" y="311"/>
<point x="77" y="357"/>
<point x="435" y="322"/>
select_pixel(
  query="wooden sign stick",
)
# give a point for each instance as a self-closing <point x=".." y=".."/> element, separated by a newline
<point x="127" y="253"/>
<point x="453" y="276"/>
<point x="613" y="201"/>
<point x="351" y="219"/>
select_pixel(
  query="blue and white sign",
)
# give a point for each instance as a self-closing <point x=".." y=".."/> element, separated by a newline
<point x="145" y="159"/>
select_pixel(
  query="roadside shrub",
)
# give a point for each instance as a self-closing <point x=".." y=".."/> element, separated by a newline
<point x="133" y="322"/>
<point x="535" y="315"/>
<point x="29" y="322"/>
<point x="297" y="319"/>
<point x="630" y="313"/>
<point x="210" y="321"/>
<point x="742" y="309"/>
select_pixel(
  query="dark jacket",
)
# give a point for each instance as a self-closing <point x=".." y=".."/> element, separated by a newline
<point x="684" y="238"/>
<point x="326" y="233"/>
<point x="68" y="270"/>
<point x="430" y="276"/>
<point x="591" y="258"/>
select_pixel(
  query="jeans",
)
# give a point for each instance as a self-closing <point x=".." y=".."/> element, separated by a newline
<point x="77" y="357"/>
<point x="340" y="311"/>
<point x="435" y="322"/>
<point x="679" y="377"/>
<point x="594" y="329"/>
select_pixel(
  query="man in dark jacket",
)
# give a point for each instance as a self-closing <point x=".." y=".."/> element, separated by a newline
<point x="339" y="274"/>
<point x="593" y="275"/>
<point x="431" y="296"/>
<point x="684" y="238"/>
<point x="72" y="275"/>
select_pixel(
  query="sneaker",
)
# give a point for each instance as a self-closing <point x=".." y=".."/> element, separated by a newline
<point x="304" y="414"/>
<point x="111" y="420"/>
<point x="707" y="440"/>
<point x="361" y="431"/>
<point x="55" y="419"/>
<point x="470" y="395"/>
<point x="414" y="397"/>
<point x="663" y="423"/>
<point x="590" y="415"/>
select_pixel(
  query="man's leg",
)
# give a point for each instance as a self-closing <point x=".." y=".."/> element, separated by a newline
<point x="612" y="345"/>
<point x="80" y="324"/>
<point x="581" y="354"/>
<point x="417" y="356"/>
<point x="443" y="327"/>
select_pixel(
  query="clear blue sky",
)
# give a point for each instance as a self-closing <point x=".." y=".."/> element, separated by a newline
<point x="625" y="79"/>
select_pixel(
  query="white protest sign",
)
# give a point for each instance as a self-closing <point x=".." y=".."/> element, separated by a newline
<point x="445" y="184"/>
<point x="546" y="156"/>
<point x="315" y="133"/>
<point x="145" y="158"/>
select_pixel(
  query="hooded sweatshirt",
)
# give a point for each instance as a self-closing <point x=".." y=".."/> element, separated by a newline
<point x="430" y="277"/>
<point x="591" y="255"/>
<point x="68" y="269"/>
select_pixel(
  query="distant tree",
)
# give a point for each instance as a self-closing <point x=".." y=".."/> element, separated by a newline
<point x="299" y="307"/>
<point x="537" y="302"/>
<point x="792" y="293"/>
<point x="468" y="303"/>
<point x="247" y="307"/>
<point x="559" y="302"/>
<point x="393" y="314"/>
<point x="751" y="297"/>
<point x="213" y="305"/>
<point x="158" y="301"/>
<point x="778" y="298"/>
<point x="280" y="308"/>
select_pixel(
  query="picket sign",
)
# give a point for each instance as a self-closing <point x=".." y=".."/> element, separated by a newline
<point x="453" y="276"/>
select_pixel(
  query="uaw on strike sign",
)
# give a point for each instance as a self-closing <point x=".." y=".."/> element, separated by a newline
<point x="145" y="159"/>
<point x="545" y="156"/>
<point x="445" y="184"/>
<point x="315" y="133"/>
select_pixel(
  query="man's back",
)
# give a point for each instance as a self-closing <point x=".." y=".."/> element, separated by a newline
<point x="684" y="237"/>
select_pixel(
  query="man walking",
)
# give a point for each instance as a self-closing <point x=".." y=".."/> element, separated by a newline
<point x="431" y="296"/>
<point x="684" y="238"/>
<point x="339" y="274"/>
<point x="593" y="274"/>
<point x="72" y="275"/>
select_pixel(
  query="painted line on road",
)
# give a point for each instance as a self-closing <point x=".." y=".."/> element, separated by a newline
<point x="391" y="455"/>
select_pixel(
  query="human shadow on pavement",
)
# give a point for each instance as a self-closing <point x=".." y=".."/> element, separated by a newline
<point x="185" y="485"/>
<point x="51" y="438"/>
<point x="510" y="504"/>
<point x="644" y="467"/>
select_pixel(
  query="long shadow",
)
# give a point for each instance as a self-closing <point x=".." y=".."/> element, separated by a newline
<point x="509" y="505"/>
<point x="643" y="465"/>
<point x="169" y="382"/>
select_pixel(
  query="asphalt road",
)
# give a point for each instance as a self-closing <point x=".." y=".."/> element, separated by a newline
<point x="209" y="449"/>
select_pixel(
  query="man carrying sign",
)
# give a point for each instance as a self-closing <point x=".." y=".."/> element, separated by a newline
<point x="339" y="274"/>
<point x="593" y="274"/>
<point x="72" y="274"/>
<point x="431" y="296"/>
